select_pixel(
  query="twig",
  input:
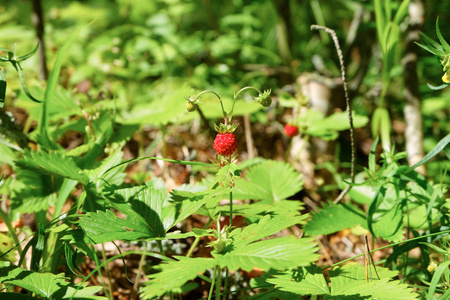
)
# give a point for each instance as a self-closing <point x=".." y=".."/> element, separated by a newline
<point x="412" y="111"/>
<point x="248" y="137"/>
<point x="349" y="108"/>
<point x="38" y="21"/>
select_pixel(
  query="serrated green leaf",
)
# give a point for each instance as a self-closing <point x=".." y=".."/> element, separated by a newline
<point x="444" y="43"/>
<point x="184" y="206"/>
<point x="52" y="163"/>
<point x="350" y="280"/>
<point x="334" y="217"/>
<point x="264" y="228"/>
<point x="33" y="191"/>
<point x="301" y="281"/>
<point x="270" y="181"/>
<point x="227" y="173"/>
<point x="145" y="201"/>
<point x="269" y="254"/>
<point x="46" y="285"/>
<point x="105" y="226"/>
<point x="284" y="207"/>
<point x="174" y="275"/>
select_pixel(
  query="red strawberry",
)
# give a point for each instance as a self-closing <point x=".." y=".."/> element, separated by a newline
<point x="225" y="143"/>
<point x="290" y="130"/>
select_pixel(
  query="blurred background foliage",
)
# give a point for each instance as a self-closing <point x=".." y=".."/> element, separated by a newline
<point x="147" y="55"/>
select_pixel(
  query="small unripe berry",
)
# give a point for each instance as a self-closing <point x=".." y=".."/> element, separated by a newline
<point x="290" y="130"/>
<point x="191" y="106"/>
<point x="265" y="99"/>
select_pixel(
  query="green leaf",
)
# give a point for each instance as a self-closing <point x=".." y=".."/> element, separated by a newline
<point x="444" y="43"/>
<point x="52" y="163"/>
<point x="269" y="254"/>
<point x="390" y="224"/>
<point x="282" y="208"/>
<point x="350" y="280"/>
<point x="227" y="173"/>
<point x="401" y="12"/>
<point x="33" y="191"/>
<point x="28" y="55"/>
<point x="105" y="226"/>
<point x="439" y="87"/>
<point x="380" y="22"/>
<point x="264" y="228"/>
<point x="334" y="217"/>
<point x="302" y="281"/>
<point x="185" y="204"/>
<point x="270" y="181"/>
<point x="45" y="285"/>
<point x="438" y="148"/>
<point x="443" y="267"/>
<point x="174" y="275"/>
<point x="43" y="129"/>
<point x="18" y="68"/>
<point x="16" y="296"/>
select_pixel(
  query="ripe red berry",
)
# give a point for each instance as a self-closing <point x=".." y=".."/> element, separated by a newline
<point x="225" y="143"/>
<point x="290" y="130"/>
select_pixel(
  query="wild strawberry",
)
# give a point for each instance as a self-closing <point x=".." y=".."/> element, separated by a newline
<point x="225" y="143"/>
<point x="290" y="130"/>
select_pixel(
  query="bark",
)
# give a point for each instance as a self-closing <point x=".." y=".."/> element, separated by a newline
<point x="412" y="112"/>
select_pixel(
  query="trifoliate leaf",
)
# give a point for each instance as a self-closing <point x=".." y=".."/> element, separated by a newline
<point x="350" y="280"/>
<point x="270" y="181"/>
<point x="51" y="163"/>
<point x="264" y="228"/>
<point x="276" y="254"/>
<point x="45" y="285"/>
<point x="175" y="274"/>
<point x="301" y="281"/>
<point x="105" y="226"/>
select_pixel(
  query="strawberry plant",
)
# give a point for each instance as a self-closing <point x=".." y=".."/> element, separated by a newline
<point x="114" y="185"/>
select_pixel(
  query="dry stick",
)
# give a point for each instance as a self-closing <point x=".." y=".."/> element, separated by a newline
<point x="369" y="261"/>
<point x="248" y="137"/>
<point x="38" y="21"/>
<point x="349" y="108"/>
<point x="412" y="110"/>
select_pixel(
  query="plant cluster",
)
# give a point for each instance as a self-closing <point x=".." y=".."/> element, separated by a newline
<point x="229" y="228"/>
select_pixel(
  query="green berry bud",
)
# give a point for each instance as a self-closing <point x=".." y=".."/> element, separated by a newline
<point x="265" y="99"/>
<point x="191" y="106"/>
<point x="220" y="246"/>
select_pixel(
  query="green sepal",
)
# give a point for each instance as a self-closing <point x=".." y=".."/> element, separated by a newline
<point x="222" y="128"/>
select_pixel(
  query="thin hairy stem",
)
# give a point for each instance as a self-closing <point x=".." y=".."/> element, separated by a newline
<point x="236" y="95"/>
<point x="139" y="271"/>
<point x="349" y="108"/>
<point x="108" y="273"/>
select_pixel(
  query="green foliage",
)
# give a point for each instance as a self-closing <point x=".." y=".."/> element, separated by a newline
<point x="175" y="274"/>
<point x="46" y="285"/>
<point x="347" y="282"/>
<point x="269" y="181"/>
<point x="117" y="91"/>
<point x="333" y="218"/>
